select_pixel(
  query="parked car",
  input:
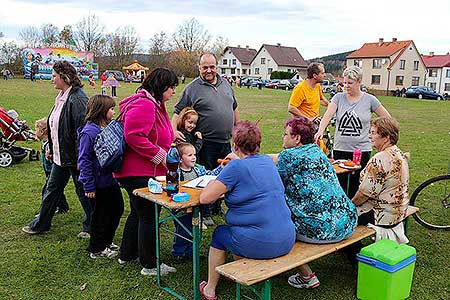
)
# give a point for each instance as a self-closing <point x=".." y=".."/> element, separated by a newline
<point x="248" y="81"/>
<point x="422" y="92"/>
<point x="272" y="83"/>
<point x="118" y="74"/>
<point x="285" y="84"/>
<point x="328" y="86"/>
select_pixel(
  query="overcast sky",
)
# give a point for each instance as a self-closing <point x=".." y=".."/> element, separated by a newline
<point x="316" y="28"/>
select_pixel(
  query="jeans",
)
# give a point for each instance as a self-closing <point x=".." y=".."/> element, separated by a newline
<point x="208" y="156"/>
<point x="107" y="208"/>
<point x="180" y="246"/>
<point x="62" y="204"/>
<point x="139" y="234"/>
<point x="354" y="176"/>
<point x="57" y="181"/>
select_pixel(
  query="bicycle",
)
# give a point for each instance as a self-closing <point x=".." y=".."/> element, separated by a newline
<point x="432" y="197"/>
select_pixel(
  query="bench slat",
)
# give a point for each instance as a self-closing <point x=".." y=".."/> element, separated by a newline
<point x="250" y="271"/>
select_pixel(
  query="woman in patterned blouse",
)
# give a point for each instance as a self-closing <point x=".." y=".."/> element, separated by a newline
<point x="382" y="198"/>
<point x="321" y="211"/>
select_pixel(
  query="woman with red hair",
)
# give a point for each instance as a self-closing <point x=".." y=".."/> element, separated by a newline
<point x="258" y="220"/>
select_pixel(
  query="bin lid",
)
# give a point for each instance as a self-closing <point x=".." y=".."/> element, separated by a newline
<point x="388" y="251"/>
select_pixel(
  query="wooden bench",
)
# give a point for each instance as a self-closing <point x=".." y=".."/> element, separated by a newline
<point x="247" y="272"/>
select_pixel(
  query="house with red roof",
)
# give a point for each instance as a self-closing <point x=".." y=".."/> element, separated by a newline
<point x="438" y="75"/>
<point x="235" y="61"/>
<point x="270" y="58"/>
<point x="388" y="66"/>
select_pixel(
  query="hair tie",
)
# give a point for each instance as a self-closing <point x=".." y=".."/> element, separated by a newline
<point x="190" y="110"/>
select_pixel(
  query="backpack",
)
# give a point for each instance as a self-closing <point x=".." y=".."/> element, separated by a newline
<point x="110" y="145"/>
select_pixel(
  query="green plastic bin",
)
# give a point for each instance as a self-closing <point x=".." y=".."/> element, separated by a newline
<point x="385" y="271"/>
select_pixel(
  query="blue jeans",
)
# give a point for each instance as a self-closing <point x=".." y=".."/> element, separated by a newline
<point x="57" y="181"/>
<point x="208" y="156"/>
<point x="180" y="246"/>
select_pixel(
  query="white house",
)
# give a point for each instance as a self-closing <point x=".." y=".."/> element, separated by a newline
<point x="235" y="61"/>
<point x="388" y="66"/>
<point x="270" y="58"/>
<point x="438" y="72"/>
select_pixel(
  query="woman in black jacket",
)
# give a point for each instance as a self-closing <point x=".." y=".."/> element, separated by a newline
<point x="66" y="116"/>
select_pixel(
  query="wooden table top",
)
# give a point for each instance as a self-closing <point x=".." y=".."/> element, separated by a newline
<point x="166" y="201"/>
<point x="340" y="170"/>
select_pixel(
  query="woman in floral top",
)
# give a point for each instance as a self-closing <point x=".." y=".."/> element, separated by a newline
<point x="383" y="196"/>
<point x="321" y="211"/>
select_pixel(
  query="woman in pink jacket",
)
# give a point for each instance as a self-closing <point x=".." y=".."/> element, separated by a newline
<point x="148" y="134"/>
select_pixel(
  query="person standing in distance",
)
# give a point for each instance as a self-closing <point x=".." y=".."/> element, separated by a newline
<point x="214" y="100"/>
<point x="307" y="96"/>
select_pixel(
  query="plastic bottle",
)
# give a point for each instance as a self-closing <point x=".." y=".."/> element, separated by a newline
<point x="357" y="156"/>
<point x="172" y="178"/>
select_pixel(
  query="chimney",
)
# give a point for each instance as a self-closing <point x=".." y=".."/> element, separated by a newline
<point x="448" y="53"/>
<point x="380" y="41"/>
<point x="239" y="46"/>
<point x="394" y="39"/>
<point x="246" y="47"/>
<point x="278" y="44"/>
<point x="431" y="53"/>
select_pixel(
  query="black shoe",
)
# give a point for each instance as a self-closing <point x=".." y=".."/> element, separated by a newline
<point x="179" y="259"/>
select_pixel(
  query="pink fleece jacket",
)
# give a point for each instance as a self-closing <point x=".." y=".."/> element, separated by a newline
<point x="148" y="134"/>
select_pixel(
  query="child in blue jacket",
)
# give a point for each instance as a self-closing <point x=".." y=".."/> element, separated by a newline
<point x="99" y="185"/>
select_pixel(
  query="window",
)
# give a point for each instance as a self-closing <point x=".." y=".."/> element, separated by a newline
<point x="289" y="70"/>
<point x="376" y="79"/>
<point x="399" y="80"/>
<point x="447" y="87"/>
<point x="415" y="80"/>
<point x="269" y="70"/>
<point x="358" y="63"/>
<point x="224" y="62"/>
<point x="233" y="71"/>
<point x="432" y="73"/>
<point x="416" y="65"/>
<point x="234" y="61"/>
<point x="376" y="64"/>
<point x="432" y="86"/>
<point x="244" y="71"/>
<point x="447" y="73"/>
<point x="263" y="61"/>
<point x="402" y="64"/>
<point x="256" y="71"/>
<point x="249" y="72"/>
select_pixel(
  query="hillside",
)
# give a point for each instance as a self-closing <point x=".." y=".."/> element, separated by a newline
<point x="334" y="63"/>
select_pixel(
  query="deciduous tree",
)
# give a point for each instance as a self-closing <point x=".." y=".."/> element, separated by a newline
<point x="191" y="36"/>
<point x="31" y="36"/>
<point x="89" y="34"/>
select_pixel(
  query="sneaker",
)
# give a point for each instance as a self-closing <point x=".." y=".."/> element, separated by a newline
<point x="300" y="282"/>
<point x="84" y="235"/>
<point x="114" y="247"/>
<point x="165" y="270"/>
<point x="105" y="253"/>
<point x="208" y="221"/>
<point x="122" y="262"/>
<point x="204" y="227"/>
<point x="27" y="229"/>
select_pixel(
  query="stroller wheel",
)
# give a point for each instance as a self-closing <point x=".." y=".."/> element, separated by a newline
<point x="34" y="155"/>
<point x="6" y="158"/>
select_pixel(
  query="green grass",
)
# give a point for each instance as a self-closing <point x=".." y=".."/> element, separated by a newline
<point x="56" y="266"/>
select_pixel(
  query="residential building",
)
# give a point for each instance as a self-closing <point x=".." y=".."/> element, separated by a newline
<point x="235" y="61"/>
<point x="389" y="65"/>
<point x="270" y="58"/>
<point x="438" y="72"/>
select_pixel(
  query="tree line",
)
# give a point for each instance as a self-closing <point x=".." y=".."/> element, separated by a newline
<point x="178" y="50"/>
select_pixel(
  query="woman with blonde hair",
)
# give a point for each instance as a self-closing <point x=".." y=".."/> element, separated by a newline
<point x="353" y="110"/>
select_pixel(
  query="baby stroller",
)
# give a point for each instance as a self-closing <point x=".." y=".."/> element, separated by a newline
<point x="11" y="131"/>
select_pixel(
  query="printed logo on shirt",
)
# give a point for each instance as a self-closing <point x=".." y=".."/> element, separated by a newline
<point x="350" y="124"/>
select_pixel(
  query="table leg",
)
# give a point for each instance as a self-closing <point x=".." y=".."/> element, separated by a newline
<point x="196" y="252"/>
<point x="158" y="258"/>
<point x="348" y="183"/>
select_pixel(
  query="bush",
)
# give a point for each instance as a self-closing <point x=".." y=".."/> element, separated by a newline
<point x="281" y="75"/>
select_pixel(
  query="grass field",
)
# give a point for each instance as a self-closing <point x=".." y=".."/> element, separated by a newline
<point x="56" y="266"/>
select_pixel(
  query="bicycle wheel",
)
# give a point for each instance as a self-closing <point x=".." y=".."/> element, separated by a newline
<point x="432" y="198"/>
